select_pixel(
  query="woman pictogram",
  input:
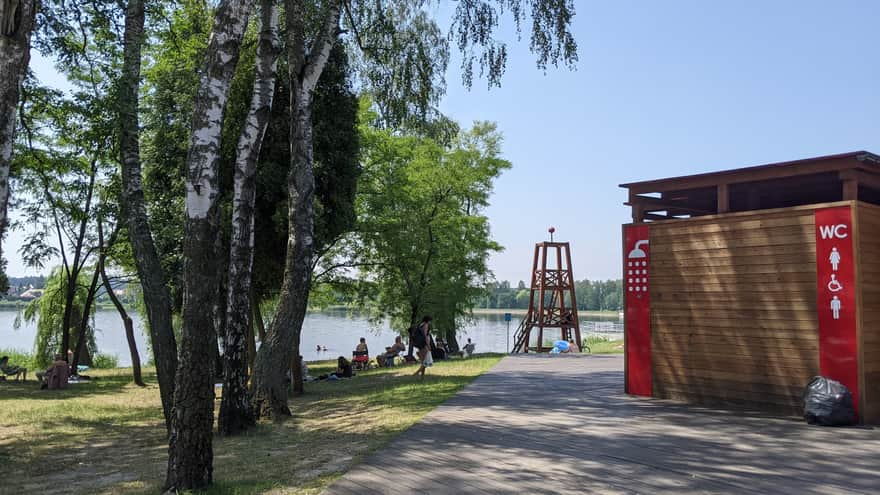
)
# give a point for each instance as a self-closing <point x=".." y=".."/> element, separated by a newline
<point x="834" y="258"/>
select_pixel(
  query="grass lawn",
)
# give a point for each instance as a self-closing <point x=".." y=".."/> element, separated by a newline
<point x="107" y="436"/>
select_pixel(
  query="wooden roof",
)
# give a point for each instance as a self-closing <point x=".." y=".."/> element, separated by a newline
<point x="847" y="176"/>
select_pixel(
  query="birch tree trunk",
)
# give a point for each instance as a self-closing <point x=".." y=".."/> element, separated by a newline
<point x="190" y="453"/>
<point x="235" y="408"/>
<point x="16" y="25"/>
<point x="283" y="335"/>
<point x="157" y="299"/>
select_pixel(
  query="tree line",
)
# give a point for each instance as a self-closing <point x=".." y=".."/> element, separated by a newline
<point x="222" y="154"/>
<point x="592" y="295"/>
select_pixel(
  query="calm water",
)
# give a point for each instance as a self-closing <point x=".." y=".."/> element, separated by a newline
<point x="336" y="330"/>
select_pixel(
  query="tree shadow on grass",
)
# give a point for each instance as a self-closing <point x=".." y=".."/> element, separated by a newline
<point x="98" y="385"/>
<point x="122" y="447"/>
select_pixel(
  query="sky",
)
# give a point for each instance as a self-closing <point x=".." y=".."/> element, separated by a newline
<point x="661" y="89"/>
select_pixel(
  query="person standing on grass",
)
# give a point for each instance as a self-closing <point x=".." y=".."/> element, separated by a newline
<point x="422" y="341"/>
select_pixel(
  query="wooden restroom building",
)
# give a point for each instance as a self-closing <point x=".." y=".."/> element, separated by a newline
<point x="741" y="285"/>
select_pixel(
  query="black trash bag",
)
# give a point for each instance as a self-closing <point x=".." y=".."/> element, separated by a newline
<point x="828" y="403"/>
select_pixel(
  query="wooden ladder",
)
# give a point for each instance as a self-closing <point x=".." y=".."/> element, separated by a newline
<point x="520" y="336"/>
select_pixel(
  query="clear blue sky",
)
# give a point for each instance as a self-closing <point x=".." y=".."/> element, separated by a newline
<point x="662" y="89"/>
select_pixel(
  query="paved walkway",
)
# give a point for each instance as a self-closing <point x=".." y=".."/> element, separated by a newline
<point x="536" y="424"/>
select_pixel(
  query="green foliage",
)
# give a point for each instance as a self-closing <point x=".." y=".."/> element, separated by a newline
<point x="48" y="312"/>
<point x="336" y="142"/>
<point x="422" y="239"/>
<point x="475" y="23"/>
<point x="337" y="168"/>
<point x="402" y="56"/>
<point x="170" y="83"/>
<point x="600" y="294"/>
<point x="105" y="361"/>
<point x="597" y="344"/>
<point x="592" y="295"/>
<point x="171" y="79"/>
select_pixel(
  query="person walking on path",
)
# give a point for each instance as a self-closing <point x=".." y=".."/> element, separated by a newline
<point x="422" y="341"/>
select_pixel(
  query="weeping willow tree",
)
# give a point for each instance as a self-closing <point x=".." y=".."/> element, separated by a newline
<point x="48" y="312"/>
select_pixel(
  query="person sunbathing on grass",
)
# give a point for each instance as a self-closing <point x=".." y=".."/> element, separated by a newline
<point x="343" y="370"/>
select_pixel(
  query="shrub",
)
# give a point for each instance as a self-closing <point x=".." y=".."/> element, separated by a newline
<point x="105" y="361"/>
<point x="592" y="340"/>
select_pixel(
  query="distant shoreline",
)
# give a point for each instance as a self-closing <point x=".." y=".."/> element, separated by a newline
<point x="489" y="311"/>
<point x="522" y="312"/>
<point x="519" y="312"/>
<point x="7" y="304"/>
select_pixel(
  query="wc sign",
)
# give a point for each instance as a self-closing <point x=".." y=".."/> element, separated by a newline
<point x="837" y="231"/>
<point x="836" y="297"/>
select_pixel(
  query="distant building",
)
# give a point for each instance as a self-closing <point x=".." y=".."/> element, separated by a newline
<point x="31" y="294"/>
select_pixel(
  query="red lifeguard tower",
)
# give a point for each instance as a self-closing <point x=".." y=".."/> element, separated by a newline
<point x="552" y="302"/>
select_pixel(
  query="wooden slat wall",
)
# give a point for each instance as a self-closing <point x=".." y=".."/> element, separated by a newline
<point x="869" y="297"/>
<point x="733" y="309"/>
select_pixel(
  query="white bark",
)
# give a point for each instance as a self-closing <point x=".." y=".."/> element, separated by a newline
<point x="16" y="25"/>
<point x="282" y="337"/>
<point x="235" y="410"/>
<point x="190" y="450"/>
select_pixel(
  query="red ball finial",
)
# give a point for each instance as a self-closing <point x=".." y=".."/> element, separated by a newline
<point x="551" y="230"/>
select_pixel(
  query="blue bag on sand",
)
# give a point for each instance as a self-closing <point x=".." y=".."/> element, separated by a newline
<point x="561" y="345"/>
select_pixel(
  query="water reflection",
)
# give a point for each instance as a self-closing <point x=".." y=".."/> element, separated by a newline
<point x="338" y="331"/>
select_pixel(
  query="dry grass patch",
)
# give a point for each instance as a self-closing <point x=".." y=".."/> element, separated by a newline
<point x="108" y="436"/>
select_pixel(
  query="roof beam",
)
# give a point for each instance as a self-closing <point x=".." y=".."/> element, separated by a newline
<point x="849" y="161"/>
<point x="861" y="178"/>
<point x="656" y="204"/>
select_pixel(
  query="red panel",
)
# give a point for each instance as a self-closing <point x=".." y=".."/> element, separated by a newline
<point x="637" y="305"/>
<point x="836" y="297"/>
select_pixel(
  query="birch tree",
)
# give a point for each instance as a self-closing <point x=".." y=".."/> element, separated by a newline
<point x="190" y="443"/>
<point x="305" y="65"/>
<point x="235" y="408"/>
<point x="407" y="81"/>
<point x="17" y="18"/>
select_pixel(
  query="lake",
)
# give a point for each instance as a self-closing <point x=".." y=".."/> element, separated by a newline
<point x="338" y="331"/>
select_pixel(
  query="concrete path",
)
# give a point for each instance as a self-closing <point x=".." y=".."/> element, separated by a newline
<point x="536" y="424"/>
